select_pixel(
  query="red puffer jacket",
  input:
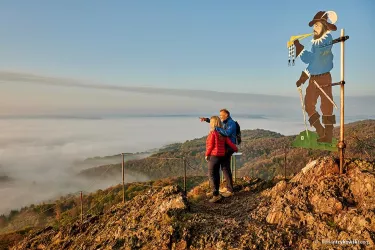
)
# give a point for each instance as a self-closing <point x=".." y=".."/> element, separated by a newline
<point x="215" y="144"/>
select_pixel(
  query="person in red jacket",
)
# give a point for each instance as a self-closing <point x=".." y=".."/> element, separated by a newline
<point x="215" y="155"/>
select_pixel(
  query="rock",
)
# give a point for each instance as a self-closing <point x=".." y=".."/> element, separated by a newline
<point x="57" y="237"/>
<point x="154" y="228"/>
<point x="310" y="165"/>
<point x="362" y="186"/>
<point x="278" y="189"/>
<point x="274" y="217"/>
<point x="325" y="205"/>
<point x="177" y="203"/>
<point x="323" y="202"/>
<point x="310" y="220"/>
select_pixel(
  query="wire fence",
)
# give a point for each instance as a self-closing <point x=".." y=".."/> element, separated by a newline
<point x="82" y="205"/>
<point x="78" y="199"/>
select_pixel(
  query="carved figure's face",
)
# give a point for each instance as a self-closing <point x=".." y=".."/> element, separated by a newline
<point x="319" y="30"/>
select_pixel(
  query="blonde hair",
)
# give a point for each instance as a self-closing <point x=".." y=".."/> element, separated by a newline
<point x="215" y="122"/>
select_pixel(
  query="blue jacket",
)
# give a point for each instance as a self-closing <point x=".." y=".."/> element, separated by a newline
<point x="229" y="129"/>
<point x="319" y="60"/>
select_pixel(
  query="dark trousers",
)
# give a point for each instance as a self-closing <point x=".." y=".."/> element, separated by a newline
<point x="214" y="173"/>
<point x="225" y="167"/>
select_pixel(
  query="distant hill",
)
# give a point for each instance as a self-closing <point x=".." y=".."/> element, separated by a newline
<point x="5" y="179"/>
<point x="107" y="160"/>
<point x="263" y="154"/>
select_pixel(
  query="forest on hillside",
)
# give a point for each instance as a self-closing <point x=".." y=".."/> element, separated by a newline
<point x="262" y="156"/>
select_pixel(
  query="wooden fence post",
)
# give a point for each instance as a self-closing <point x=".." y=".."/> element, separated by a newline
<point x="123" y="178"/>
<point x="81" y="208"/>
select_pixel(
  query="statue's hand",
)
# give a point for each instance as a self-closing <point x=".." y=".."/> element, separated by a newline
<point x="302" y="79"/>
<point x="299" y="47"/>
<point x="297" y="43"/>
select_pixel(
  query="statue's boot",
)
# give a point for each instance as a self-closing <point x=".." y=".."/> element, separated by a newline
<point x="315" y="122"/>
<point x="328" y="121"/>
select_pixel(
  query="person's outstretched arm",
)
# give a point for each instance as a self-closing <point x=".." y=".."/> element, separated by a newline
<point x="203" y="119"/>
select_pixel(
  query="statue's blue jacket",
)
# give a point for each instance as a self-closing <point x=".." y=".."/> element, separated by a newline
<point x="319" y="60"/>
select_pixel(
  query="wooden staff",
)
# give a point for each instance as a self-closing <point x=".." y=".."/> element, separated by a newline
<point x="341" y="144"/>
<point x="325" y="94"/>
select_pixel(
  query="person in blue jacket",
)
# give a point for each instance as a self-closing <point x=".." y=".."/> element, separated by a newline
<point x="229" y="130"/>
<point x="320" y="63"/>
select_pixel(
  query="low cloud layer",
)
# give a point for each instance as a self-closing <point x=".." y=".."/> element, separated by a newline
<point x="39" y="153"/>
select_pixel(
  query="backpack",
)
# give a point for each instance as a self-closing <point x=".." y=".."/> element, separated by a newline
<point x="238" y="133"/>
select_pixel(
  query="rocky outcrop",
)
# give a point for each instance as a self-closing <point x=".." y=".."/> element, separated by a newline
<point x="317" y="205"/>
<point x="326" y="205"/>
<point x="146" y="222"/>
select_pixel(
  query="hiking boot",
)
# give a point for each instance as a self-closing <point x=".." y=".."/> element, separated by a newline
<point x="223" y="190"/>
<point x="215" y="198"/>
<point x="227" y="194"/>
<point x="209" y="194"/>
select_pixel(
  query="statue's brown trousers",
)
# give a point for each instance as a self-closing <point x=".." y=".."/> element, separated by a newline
<point x="313" y="93"/>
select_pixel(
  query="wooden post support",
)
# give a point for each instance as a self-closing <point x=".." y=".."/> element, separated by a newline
<point x="221" y="175"/>
<point x="285" y="152"/>
<point x="123" y="178"/>
<point x="184" y="165"/>
<point x="81" y="208"/>
<point x="231" y="164"/>
<point x="234" y="168"/>
<point x="341" y="144"/>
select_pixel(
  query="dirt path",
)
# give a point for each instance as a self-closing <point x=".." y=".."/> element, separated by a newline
<point x="237" y="207"/>
<point x="226" y="220"/>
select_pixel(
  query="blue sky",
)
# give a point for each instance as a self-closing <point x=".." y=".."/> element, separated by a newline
<point x="230" y="46"/>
